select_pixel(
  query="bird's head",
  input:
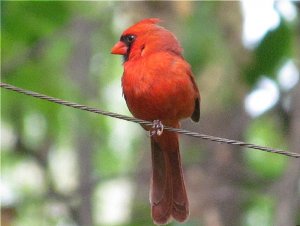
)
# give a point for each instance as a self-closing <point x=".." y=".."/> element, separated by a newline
<point x="144" y="38"/>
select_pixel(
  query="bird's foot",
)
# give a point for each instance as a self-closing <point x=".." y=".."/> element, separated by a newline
<point x="157" y="128"/>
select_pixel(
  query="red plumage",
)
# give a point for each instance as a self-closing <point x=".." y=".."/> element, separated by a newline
<point x="158" y="85"/>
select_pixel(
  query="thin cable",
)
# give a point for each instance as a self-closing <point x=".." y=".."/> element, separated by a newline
<point x="147" y="123"/>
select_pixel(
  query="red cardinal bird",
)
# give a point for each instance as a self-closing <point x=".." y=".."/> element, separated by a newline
<point x="158" y="85"/>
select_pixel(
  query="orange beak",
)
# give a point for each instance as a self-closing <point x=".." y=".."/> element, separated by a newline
<point x="119" y="48"/>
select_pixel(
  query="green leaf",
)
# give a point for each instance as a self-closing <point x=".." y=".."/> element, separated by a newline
<point x="271" y="53"/>
<point x="265" y="131"/>
<point x="259" y="211"/>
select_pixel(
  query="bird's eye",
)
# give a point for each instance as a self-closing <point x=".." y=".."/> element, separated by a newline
<point x="128" y="39"/>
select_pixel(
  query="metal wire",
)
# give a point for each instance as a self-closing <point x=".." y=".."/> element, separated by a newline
<point x="147" y="123"/>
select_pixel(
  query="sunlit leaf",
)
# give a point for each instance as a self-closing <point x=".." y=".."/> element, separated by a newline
<point x="271" y="53"/>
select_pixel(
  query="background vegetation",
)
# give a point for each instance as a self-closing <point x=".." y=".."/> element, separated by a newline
<point x="65" y="167"/>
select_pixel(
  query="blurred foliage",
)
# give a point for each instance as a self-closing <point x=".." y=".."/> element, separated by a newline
<point x="266" y="131"/>
<point x="202" y="45"/>
<point x="271" y="53"/>
<point x="259" y="211"/>
<point x="40" y="161"/>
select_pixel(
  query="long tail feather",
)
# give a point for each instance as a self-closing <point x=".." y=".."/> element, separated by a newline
<point x="167" y="195"/>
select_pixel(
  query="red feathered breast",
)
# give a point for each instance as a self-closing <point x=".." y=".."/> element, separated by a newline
<point x="159" y="86"/>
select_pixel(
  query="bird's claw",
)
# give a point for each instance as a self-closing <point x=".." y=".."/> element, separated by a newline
<point x="157" y="128"/>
